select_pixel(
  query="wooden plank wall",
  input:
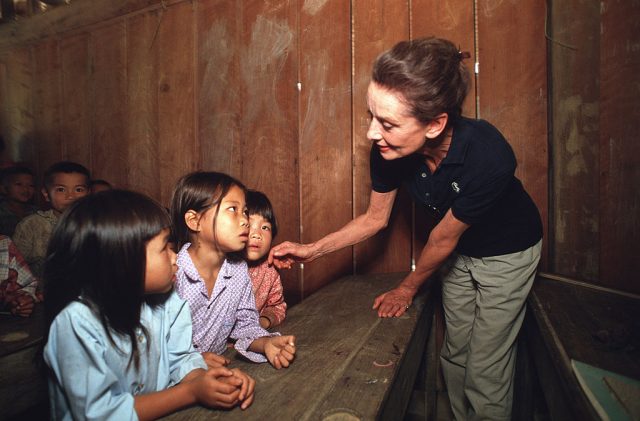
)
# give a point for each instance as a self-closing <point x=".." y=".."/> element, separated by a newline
<point x="270" y="92"/>
<point x="595" y="120"/>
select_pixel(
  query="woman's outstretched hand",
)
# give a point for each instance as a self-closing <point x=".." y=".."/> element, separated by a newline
<point x="286" y="254"/>
<point x="394" y="303"/>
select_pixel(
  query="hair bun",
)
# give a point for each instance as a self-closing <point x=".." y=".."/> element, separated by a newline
<point x="463" y="54"/>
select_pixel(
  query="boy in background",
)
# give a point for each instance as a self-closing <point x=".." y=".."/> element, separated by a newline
<point x="17" y="186"/>
<point x="64" y="183"/>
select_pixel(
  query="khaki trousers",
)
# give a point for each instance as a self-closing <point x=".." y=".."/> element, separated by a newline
<point x="484" y="302"/>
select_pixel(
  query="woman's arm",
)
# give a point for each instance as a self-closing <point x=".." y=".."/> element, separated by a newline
<point x="441" y="243"/>
<point x="359" y="229"/>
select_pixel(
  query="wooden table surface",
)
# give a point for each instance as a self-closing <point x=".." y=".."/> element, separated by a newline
<point x="578" y="321"/>
<point x="350" y="364"/>
<point x="22" y="384"/>
<point x="17" y="333"/>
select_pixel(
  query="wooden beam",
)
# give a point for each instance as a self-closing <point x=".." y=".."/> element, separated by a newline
<point x="77" y="14"/>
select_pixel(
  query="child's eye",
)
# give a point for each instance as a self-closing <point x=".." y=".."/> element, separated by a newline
<point x="60" y="189"/>
<point x="266" y="227"/>
<point x="232" y="208"/>
<point x="81" y="189"/>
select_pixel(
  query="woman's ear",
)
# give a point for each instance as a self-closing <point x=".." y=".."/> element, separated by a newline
<point x="192" y="219"/>
<point x="436" y="126"/>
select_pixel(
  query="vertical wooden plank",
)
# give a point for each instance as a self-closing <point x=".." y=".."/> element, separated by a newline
<point x="512" y="88"/>
<point x="268" y="72"/>
<point x="325" y="134"/>
<point x="20" y="122"/>
<point x="575" y="69"/>
<point x="47" y="104"/>
<point x="109" y="79"/>
<point x="4" y="101"/>
<point x="142" y="105"/>
<point x="76" y="107"/>
<point x="176" y="109"/>
<point x="619" y="150"/>
<point x="219" y="94"/>
<point x="378" y="25"/>
<point x="452" y="20"/>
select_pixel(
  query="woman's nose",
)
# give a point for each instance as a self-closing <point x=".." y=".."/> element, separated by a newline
<point x="373" y="133"/>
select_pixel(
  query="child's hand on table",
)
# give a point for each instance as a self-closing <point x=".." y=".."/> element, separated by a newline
<point x="280" y="350"/>
<point x="216" y="387"/>
<point x="214" y="360"/>
<point x="22" y="305"/>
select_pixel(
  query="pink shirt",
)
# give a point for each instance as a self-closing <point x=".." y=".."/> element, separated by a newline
<point x="267" y="289"/>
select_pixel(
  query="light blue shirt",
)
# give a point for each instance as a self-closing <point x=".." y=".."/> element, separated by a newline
<point x="91" y="378"/>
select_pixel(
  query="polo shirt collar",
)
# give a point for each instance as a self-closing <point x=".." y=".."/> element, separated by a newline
<point x="459" y="144"/>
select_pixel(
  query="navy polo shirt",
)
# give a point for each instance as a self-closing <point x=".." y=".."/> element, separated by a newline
<point x="476" y="181"/>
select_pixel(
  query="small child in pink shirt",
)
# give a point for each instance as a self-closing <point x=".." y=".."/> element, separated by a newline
<point x="267" y="286"/>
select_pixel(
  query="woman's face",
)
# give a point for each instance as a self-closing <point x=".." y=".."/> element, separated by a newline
<point x="393" y="129"/>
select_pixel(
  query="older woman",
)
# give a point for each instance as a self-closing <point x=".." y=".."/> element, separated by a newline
<point x="460" y="171"/>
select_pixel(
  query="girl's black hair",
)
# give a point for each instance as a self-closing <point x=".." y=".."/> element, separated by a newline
<point x="97" y="255"/>
<point x="258" y="204"/>
<point x="198" y="191"/>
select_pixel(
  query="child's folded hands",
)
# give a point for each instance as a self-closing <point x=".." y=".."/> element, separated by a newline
<point x="247" y="385"/>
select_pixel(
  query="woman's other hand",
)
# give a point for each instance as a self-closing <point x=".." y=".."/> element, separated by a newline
<point x="394" y="303"/>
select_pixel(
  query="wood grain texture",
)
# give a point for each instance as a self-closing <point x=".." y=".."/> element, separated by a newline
<point x="176" y="105"/>
<point x="619" y="149"/>
<point x="325" y="134"/>
<point x="22" y="384"/>
<point x="377" y="26"/>
<point x="512" y="89"/>
<point x="77" y="107"/>
<point x="109" y="119"/>
<point x="47" y="140"/>
<point x="452" y="20"/>
<point x="347" y="359"/>
<point x="269" y="125"/>
<point x="141" y="106"/>
<point x="574" y="72"/>
<point x="21" y="124"/>
<point x="219" y="96"/>
<point x="77" y="14"/>
<point x="589" y="325"/>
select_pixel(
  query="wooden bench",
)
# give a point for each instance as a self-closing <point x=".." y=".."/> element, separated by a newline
<point x="350" y="364"/>
<point x="571" y="320"/>
<point x="22" y="384"/>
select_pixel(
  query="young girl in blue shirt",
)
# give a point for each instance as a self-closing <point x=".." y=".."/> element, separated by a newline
<point x="119" y="338"/>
